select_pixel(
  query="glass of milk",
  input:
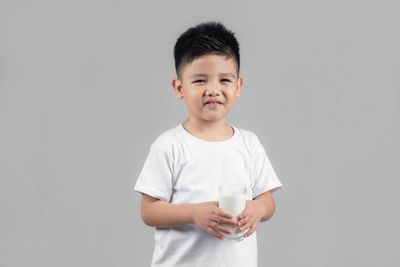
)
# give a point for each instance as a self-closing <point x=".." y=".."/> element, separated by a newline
<point x="232" y="198"/>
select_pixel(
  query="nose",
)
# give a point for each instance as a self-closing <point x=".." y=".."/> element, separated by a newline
<point x="213" y="90"/>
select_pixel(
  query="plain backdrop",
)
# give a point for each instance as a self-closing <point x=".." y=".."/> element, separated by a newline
<point x="85" y="88"/>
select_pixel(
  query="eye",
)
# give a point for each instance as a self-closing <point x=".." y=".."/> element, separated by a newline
<point x="226" y="80"/>
<point x="198" y="81"/>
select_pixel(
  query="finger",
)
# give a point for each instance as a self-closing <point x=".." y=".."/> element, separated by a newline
<point x="223" y="220"/>
<point x="243" y="221"/>
<point x="246" y="210"/>
<point x="244" y="214"/>
<point x="251" y="230"/>
<point x="220" y="227"/>
<point x="223" y="213"/>
<point x="214" y="233"/>
<point x="242" y="218"/>
<point x="245" y="226"/>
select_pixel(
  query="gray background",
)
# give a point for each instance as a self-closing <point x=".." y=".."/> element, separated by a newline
<point x="85" y="88"/>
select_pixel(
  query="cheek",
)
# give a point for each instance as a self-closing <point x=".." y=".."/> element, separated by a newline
<point x="230" y="103"/>
<point x="194" y="102"/>
<point x="195" y="98"/>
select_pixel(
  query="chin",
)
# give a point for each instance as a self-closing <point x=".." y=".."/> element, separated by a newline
<point x="213" y="119"/>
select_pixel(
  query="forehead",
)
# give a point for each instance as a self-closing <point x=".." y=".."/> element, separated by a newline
<point x="210" y="65"/>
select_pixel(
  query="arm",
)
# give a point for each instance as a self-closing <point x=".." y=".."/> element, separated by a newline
<point x="266" y="205"/>
<point x="207" y="215"/>
<point x="159" y="213"/>
<point x="258" y="210"/>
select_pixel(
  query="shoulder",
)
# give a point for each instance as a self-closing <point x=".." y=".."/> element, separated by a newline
<point x="166" y="140"/>
<point x="249" y="138"/>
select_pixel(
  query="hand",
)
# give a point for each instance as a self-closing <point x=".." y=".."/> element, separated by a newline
<point x="210" y="217"/>
<point x="250" y="217"/>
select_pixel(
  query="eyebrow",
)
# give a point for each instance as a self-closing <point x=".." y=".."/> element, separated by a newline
<point x="205" y="75"/>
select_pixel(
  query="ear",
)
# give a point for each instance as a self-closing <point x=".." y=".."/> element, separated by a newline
<point x="239" y="86"/>
<point x="177" y="85"/>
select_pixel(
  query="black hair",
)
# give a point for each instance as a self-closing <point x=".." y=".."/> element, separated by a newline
<point x="205" y="38"/>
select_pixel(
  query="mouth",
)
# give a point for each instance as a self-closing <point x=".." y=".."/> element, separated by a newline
<point x="213" y="104"/>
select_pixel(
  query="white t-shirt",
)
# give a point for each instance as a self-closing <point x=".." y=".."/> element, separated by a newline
<point x="181" y="168"/>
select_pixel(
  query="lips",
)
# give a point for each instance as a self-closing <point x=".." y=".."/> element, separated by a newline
<point x="213" y="102"/>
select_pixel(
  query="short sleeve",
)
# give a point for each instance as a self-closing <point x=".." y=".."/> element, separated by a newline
<point x="263" y="174"/>
<point x="155" y="178"/>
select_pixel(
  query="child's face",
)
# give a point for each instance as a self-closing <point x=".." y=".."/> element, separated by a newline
<point x="209" y="78"/>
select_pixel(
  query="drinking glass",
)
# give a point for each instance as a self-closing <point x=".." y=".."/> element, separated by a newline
<point x="232" y="198"/>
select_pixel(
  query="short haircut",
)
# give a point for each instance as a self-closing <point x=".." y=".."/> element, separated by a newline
<point x="205" y="38"/>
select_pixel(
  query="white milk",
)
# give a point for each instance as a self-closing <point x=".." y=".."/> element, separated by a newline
<point x="233" y="204"/>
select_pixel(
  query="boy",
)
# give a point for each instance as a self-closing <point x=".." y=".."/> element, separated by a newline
<point x="187" y="164"/>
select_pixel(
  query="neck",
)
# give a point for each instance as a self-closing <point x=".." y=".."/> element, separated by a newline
<point x="209" y="131"/>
